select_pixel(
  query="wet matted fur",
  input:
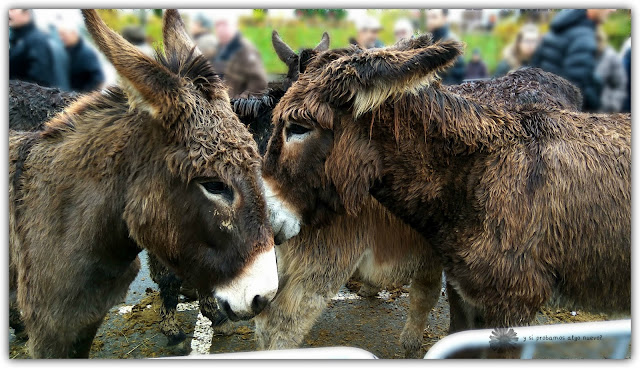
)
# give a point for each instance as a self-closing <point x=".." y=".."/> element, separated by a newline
<point x="119" y="170"/>
<point x="284" y="324"/>
<point x="525" y="204"/>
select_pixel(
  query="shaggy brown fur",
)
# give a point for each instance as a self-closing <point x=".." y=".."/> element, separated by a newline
<point x="120" y="170"/>
<point x="525" y="204"/>
<point x="31" y="105"/>
<point x="284" y="324"/>
<point x="524" y="86"/>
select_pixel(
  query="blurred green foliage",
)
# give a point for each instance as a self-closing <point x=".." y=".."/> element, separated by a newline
<point x="297" y="34"/>
<point x="618" y="27"/>
<point x="337" y="14"/>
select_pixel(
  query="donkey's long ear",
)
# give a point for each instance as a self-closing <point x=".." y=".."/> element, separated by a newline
<point x="152" y="82"/>
<point x="284" y="52"/>
<point x="307" y="55"/>
<point x="324" y="43"/>
<point x="176" y="39"/>
<point x="369" y="78"/>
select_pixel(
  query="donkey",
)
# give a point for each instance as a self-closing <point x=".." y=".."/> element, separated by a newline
<point x="162" y="164"/>
<point x="302" y="297"/>
<point x="523" y="204"/>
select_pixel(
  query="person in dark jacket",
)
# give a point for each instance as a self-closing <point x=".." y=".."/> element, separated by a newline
<point x="626" y="63"/>
<point x="569" y="50"/>
<point x="438" y="25"/>
<point x="60" y="59"/>
<point x="30" y="55"/>
<point x="476" y="69"/>
<point x="238" y="60"/>
<point x="85" y="71"/>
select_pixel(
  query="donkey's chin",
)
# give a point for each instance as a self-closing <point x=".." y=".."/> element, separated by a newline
<point x="248" y="294"/>
<point x="285" y="223"/>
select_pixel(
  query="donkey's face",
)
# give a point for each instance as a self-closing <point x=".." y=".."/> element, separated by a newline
<point x="195" y="198"/>
<point x="321" y="159"/>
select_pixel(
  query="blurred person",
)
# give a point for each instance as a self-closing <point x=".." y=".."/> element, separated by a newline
<point x="626" y="63"/>
<point x="403" y="29"/>
<point x="476" y="69"/>
<point x="31" y="57"/>
<point x="520" y="51"/>
<point x="238" y="61"/>
<point x="136" y="35"/>
<point x="60" y="59"/>
<point x="491" y="23"/>
<point x="200" y="26"/>
<point x="208" y="45"/>
<point x="368" y="30"/>
<point x="85" y="71"/>
<point x="610" y="70"/>
<point x="201" y="32"/>
<point x="569" y="50"/>
<point x="438" y="26"/>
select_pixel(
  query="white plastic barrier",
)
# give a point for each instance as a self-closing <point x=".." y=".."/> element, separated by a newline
<point x="480" y="339"/>
<point x="337" y="352"/>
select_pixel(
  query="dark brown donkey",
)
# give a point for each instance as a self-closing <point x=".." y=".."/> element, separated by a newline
<point x="161" y="163"/>
<point x="524" y="204"/>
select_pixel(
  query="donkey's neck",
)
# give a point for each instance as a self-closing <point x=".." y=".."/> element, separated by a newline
<point x="429" y="146"/>
<point x="101" y="136"/>
<point x="96" y="145"/>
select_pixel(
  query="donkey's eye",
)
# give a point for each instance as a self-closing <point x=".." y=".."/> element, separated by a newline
<point x="294" y="129"/>
<point x="217" y="188"/>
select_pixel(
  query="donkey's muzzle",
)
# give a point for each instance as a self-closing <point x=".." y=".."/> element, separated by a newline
<point x="248" y="294"/>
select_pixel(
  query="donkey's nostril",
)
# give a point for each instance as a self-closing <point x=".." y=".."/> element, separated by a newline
<point x="258" y="303"/>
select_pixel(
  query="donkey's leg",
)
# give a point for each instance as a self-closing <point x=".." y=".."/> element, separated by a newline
<point x="15" y="319"/>
<point x="464" y="316"/>
<point x="423" y="296"/>
<point x="285" y="322"/>
<point x="306" y="286"/>
<point x="82" y="345"/>
<point x="169" y="285"/>
<point x="62" y="325"/>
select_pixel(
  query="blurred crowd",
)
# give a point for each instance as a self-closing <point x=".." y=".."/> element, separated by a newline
<point x="574" y="47"/>
<point x="59" y="57"/>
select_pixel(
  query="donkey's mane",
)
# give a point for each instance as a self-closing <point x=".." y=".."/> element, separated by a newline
<point x="110" y="98"/>
<point x="194" y="67"/>
<point x="251" y="106"/>
<point x="467" y="120"/>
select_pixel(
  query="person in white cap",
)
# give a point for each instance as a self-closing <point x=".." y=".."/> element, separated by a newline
<point x="368" y="30"/>
<point x="403" y="29"/>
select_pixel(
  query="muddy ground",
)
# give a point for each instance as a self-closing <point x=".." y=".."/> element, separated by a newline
<point x="131" y="329"/>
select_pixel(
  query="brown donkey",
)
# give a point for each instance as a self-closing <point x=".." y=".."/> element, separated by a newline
<point x="524" y="204"/>
<point x="161" y="163"/>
